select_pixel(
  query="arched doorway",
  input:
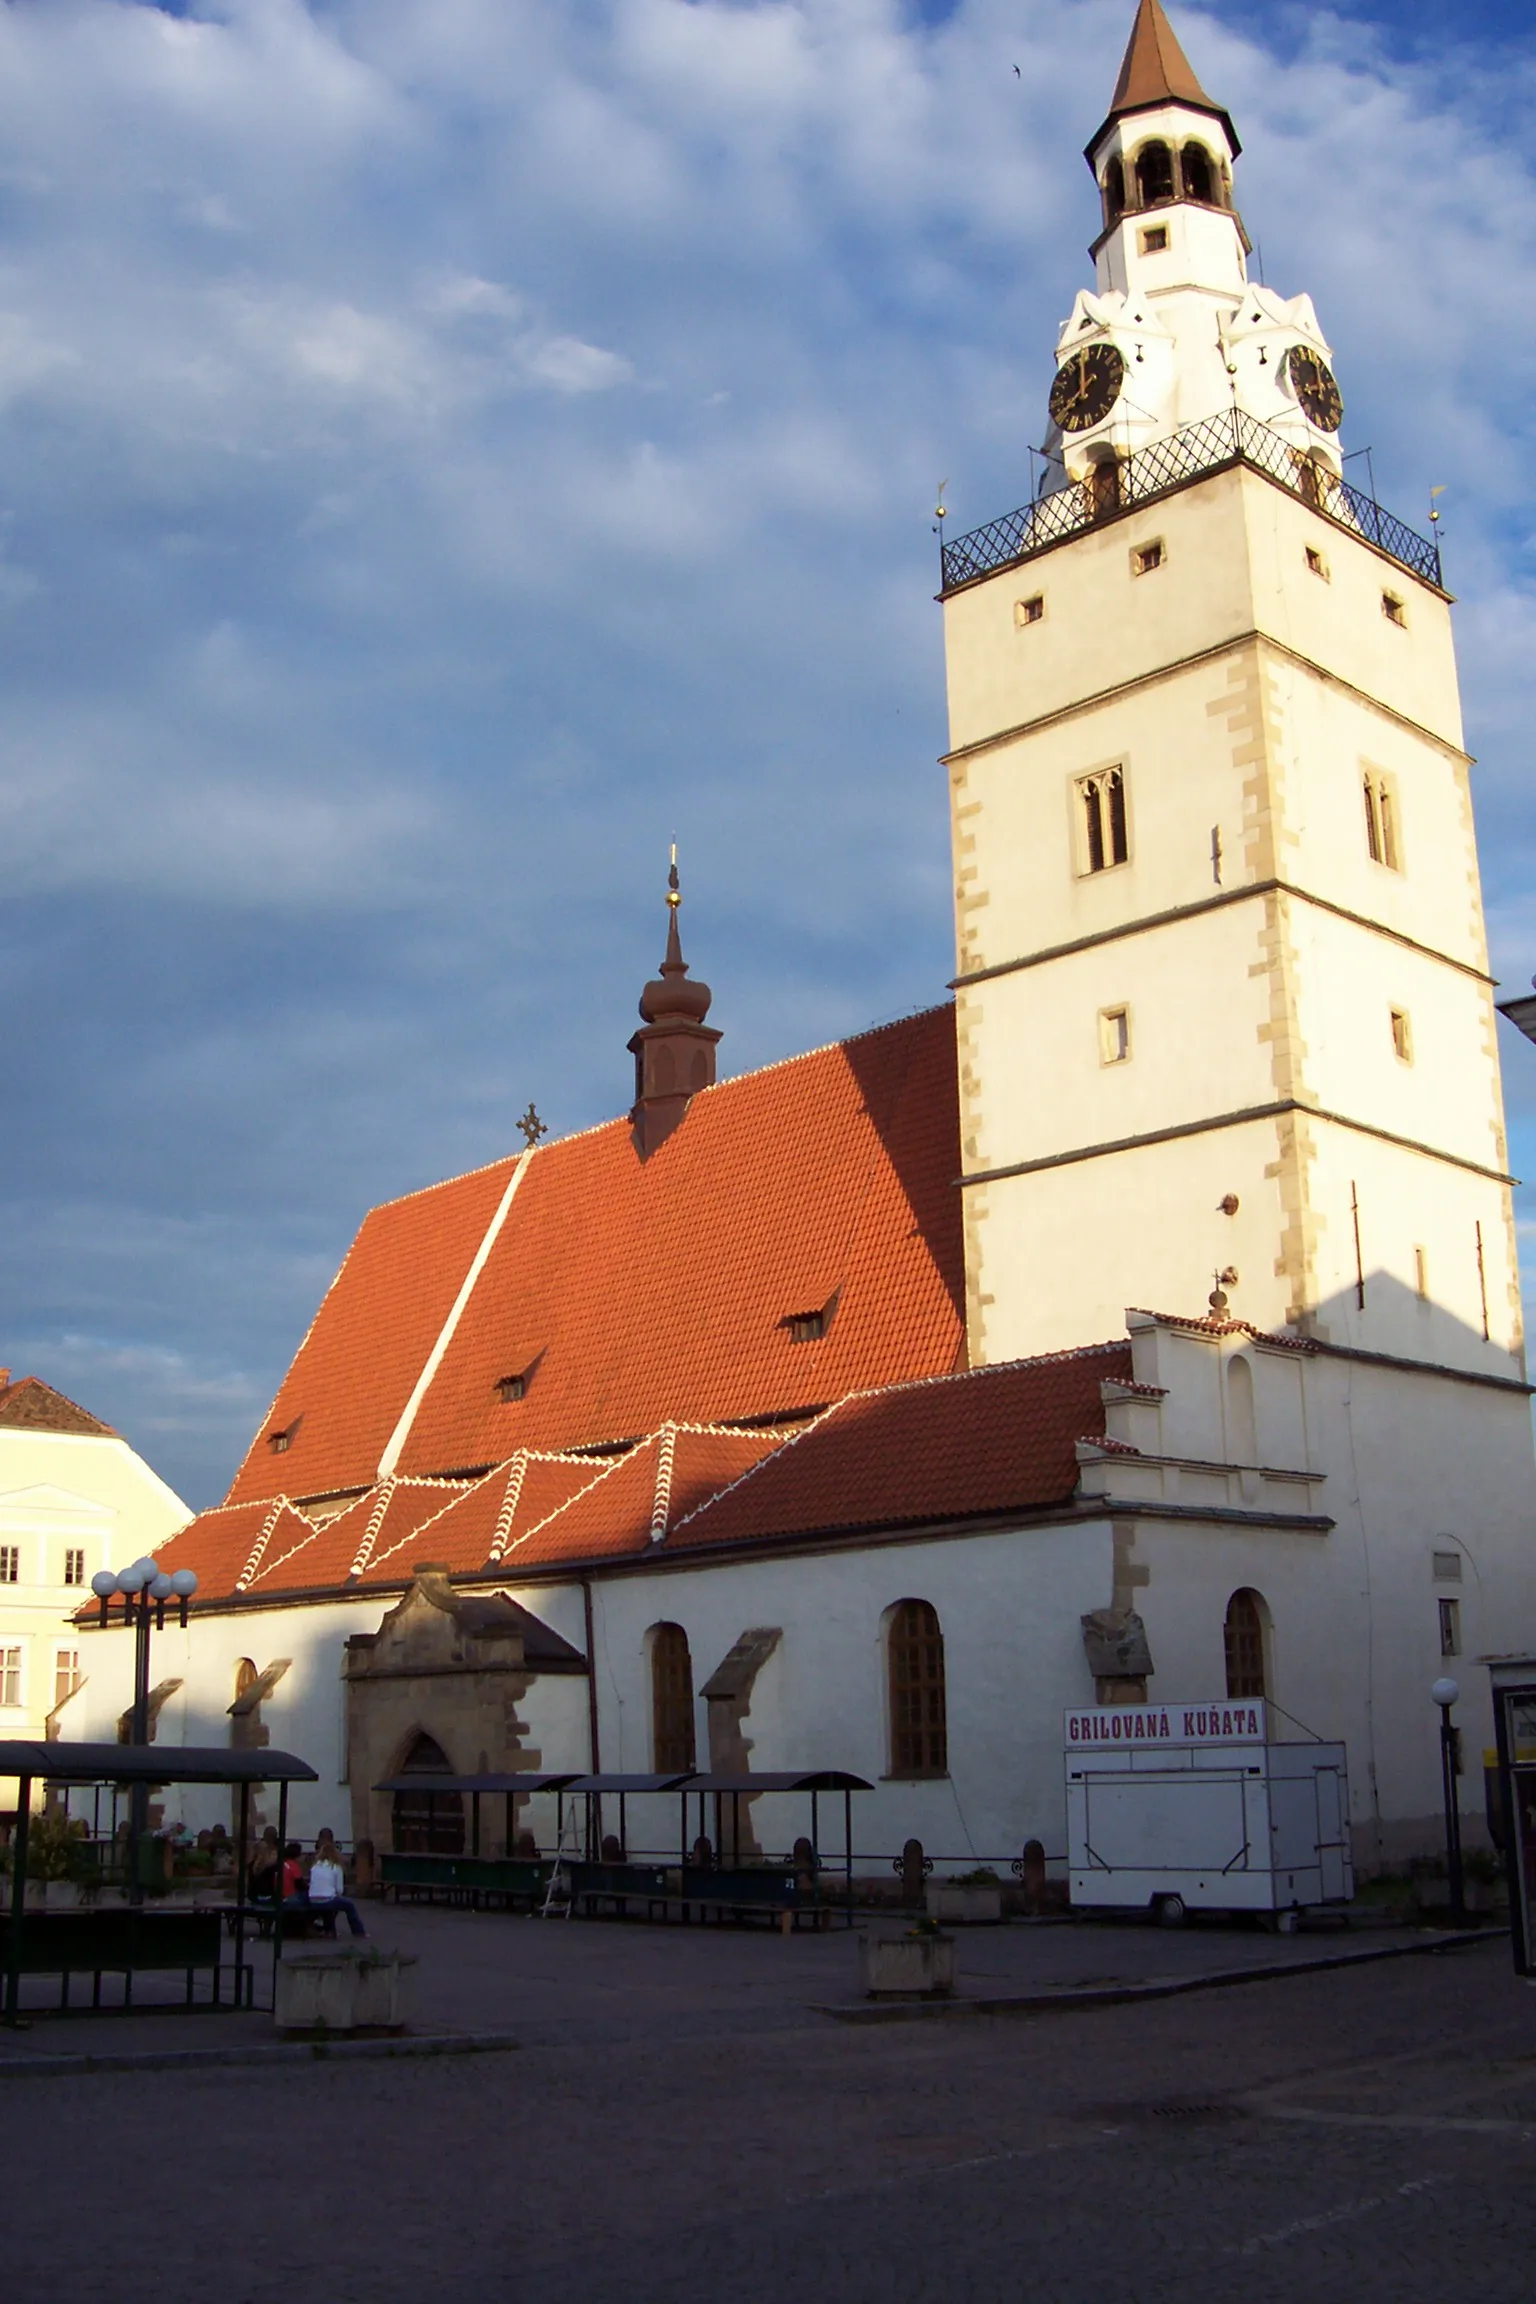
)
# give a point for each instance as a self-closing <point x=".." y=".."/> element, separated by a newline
<point x="428" y="1822"/>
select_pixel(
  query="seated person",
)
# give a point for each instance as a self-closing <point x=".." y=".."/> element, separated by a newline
<point x="265" y="1862"/>
<point x="325" y="1894"/>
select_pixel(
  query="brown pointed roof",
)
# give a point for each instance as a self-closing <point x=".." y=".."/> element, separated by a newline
<point x="30" y="1405"/>
<point x="1154" y="71"/>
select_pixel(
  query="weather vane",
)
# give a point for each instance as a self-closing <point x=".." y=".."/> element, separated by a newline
<point x="532" y="1126"/>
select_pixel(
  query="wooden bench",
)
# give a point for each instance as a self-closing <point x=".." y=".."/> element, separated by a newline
<point x="748" y="1892"/>
<point x="620" y="1884"/>
<point x="473" y="1880"/>
<point x="125" y="1942"/>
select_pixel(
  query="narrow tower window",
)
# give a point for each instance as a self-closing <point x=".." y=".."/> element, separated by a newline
<point x="1114" y="1035"/>
<point x="1380" y="820"/>
<point x="1199" y="176"/>
<point x="1450" y="1627"/>
<point x="1101" y="818"/>
<point x="1393" y="609"/>
<point x="1114" y="193"/>
<point x="1402" y="1036"/>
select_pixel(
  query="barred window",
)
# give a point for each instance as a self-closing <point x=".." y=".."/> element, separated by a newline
<point x="919" y="1739"/>
<point x="1245" y="1645"/>
<point x="672" y="1744"/>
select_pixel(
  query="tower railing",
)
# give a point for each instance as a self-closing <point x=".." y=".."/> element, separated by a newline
<point x="1233" y="437"/>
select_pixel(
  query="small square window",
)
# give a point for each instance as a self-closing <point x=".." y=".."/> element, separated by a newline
<point x="1447" y="1567"/>
<point x="1029" y="611"/>
<point x="1402" y="1035"/>
<point x="1450" y="1627"/>
<point x="512" y="1387"/>
<point x="1114" y="1035"/>
<point x="10" y="1563"/>
<point x="1146" y="557"/>
<point x="279" y="1442"/>
<point x="74" y="1564"/>
<point x="1154" y="240"/>
<point x="1393" y="610"/>
<point x="1317" y="563"/>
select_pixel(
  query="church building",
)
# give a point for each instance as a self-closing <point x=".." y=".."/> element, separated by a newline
<point x="1141" y="1322"/>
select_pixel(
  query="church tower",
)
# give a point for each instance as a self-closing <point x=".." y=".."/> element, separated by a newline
<point x="1225" y="1021"/>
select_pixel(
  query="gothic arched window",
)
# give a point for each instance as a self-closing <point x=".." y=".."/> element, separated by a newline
<point x="1244" y="1633"/>
<point x="915" y="1651"/>
<point x="672" y="1744"/>
<point x="1154" y="173"/>
<point x="1199" y="174"/>
<point x="1114" y="193"/>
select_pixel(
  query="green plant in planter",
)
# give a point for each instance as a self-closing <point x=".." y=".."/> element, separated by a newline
<point x="56" y="1848"/>
<point x="982" y="1877"/>
<point x="925" y="1927"/>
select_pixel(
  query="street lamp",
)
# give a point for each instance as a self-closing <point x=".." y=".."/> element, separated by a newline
<point x="1445" y="1693"/>
<point x="144" y="1589"/>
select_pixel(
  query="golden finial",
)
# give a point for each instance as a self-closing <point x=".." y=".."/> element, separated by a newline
<point x="674" y="894"/>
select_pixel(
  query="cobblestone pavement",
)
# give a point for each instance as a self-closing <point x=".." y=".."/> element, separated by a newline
<point x="1349" y="2135"/>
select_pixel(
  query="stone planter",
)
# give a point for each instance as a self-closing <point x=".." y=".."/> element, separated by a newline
<point x="1479" y="1897"/>
<point x="910" y="1967"/>
<point x="48" y="1895"/>
<point x="340" y="1991"/>
<point x="964" y="1907"/>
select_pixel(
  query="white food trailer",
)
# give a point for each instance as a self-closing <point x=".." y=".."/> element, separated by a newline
<point x="1190" y="1806"/>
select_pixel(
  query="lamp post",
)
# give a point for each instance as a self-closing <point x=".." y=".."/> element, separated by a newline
<point x="143" y="1589"/>
<point x="1445" y="1693"/>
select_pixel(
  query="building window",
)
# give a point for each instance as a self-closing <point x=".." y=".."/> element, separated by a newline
<point x="1393" y="610"/>
<point x="1421" y="1274"/>
<point x="1446" y="1567"/>
<point x="1101" y="820"/>
<point x="1380" y="819"/>
<point x="672" y="1746"/>
<point x="66" y="1675"/>
<point x="1029" y="611"/>
<point x="1114" y="1035"/>
<point x="512" y="1387"/>
<point x="10" y="1675"/>
<point x="1450" y="1627"/>
<point x="1114" y="193"/>
<point x="1199" y="174"/>
<point x="279" y="1442"/>
<point x="1402" y="1036"/>
<point x="919" y="1738"/>
<point x="1317" y="563"/>
<point x="1154" y="241"/>
<point x="1244" y="1633"/>
<point x="1146" y="557"/>
<point x="10" y="1563"/>
<point x="74" y="1564"/>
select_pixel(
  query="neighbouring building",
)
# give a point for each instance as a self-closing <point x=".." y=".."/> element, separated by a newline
<point x="74" y="1498"/>
<point x="800" y="1419"/>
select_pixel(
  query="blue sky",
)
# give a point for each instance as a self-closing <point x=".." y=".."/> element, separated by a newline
<point x="447" y="446"/>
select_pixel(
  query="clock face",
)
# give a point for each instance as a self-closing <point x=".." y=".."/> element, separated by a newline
<point x="1315" y="388"/>
<point x="1087" y="386"/>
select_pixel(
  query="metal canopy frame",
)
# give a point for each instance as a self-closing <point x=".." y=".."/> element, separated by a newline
<point x="142" y="1764"/>
<point x="685" y="1782"/>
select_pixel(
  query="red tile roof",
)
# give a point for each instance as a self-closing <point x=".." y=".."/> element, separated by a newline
<point x="355" y="1370"/>
<point x="994" y="1440"/>
<point x="955" y="1448"/>
<point x="635" y="1293"/>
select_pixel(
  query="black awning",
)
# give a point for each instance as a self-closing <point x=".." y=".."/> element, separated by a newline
<point x="64" y="1763"/>
<point x="782" y="1780"/>
<point x="520" y="1780"/>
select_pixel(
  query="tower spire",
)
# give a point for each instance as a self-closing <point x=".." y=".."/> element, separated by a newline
<point x="1155" y="71"/>
<point x="674" y="1050"/>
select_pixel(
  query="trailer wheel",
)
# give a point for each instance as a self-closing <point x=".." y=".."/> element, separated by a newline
<point x="1168" y="1911"/>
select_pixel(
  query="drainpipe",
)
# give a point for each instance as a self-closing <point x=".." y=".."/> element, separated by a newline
<point x="594" y="1807"/>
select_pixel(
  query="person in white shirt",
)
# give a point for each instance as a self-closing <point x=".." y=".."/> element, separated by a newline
<point x="325" y="1890"/>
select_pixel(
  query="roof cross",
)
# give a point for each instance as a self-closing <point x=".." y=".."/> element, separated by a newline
<point x="532" y="1126"/>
